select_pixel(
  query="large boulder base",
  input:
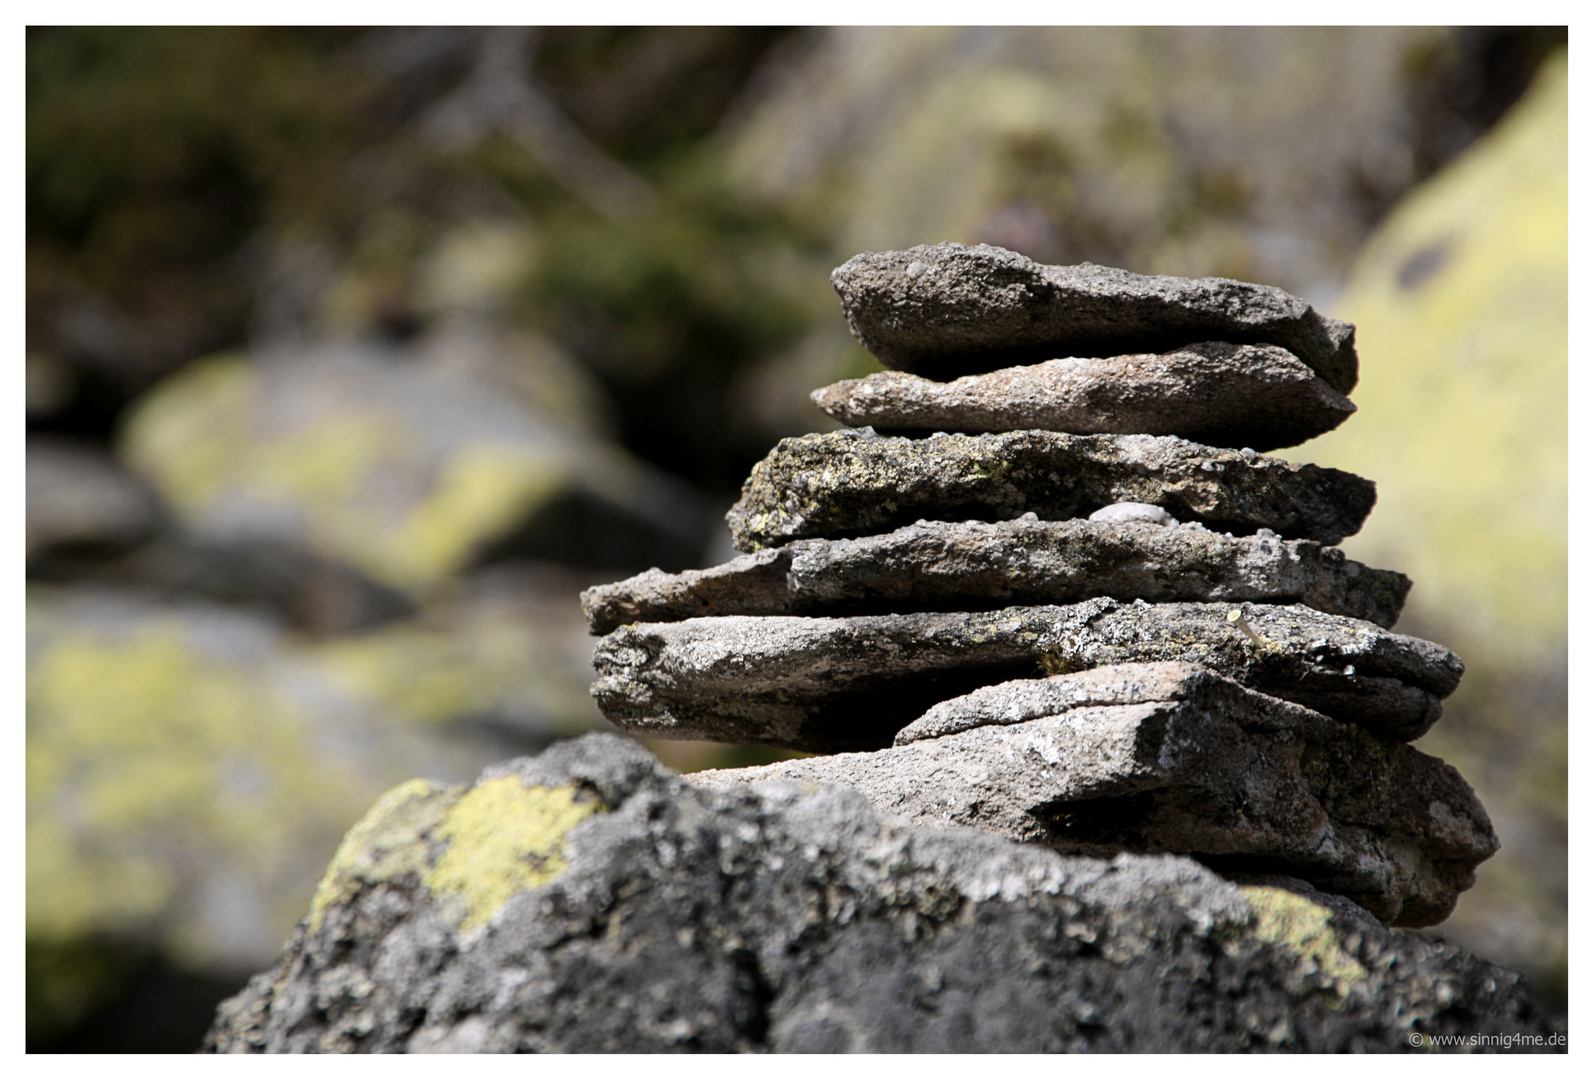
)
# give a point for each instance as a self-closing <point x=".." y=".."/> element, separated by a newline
<point x="1215" y="393"/>
<point x="948" y="310"/>
<point x="842" y="684"/>
<point x="1172" y="757"/>
<point x="849" y="483"/>
<point x="974" y="565"/>
<point x="585" y="901"/>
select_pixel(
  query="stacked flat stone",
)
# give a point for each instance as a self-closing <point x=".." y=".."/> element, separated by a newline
<point x="1046" y="586"/>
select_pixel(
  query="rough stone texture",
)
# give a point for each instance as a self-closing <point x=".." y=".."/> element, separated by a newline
<point x="1174" y="758"/>
<point x="1215" y="393"/>
<point x="666" y="917"/>
<point x="981" y="565"/>
<point x="844" y="483"/>
<point x="837" y="684"/>
<point x="952" y="310"/>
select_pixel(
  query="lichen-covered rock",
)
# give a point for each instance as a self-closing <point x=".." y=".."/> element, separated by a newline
<point x="191" y="766"/>
<point x="585" y="901"/>
<point x="948" y="310"/>
<point x="840" y="684"/>
<point x="1174" y="758"/>
<point x="974" y="565"/>
<point x="1215" y="393"/>
<point x="846" y="483"/>
<point x="408" y="463"/>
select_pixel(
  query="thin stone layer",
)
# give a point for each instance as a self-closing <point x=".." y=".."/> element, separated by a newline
<point x="847" y="483"/>
<point x="839" y="684"/>
<point x="1215" y="393"/>
<point x="948" y="310"/>
<point x="974" y="565"/>
<point x="1198" y="765"/>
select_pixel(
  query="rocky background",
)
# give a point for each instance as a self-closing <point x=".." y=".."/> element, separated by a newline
<point x="353" y="356"/>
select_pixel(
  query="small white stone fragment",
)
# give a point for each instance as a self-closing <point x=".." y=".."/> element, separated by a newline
<point x="1134" y="511"/>
<point x="1031" y="516"/>
<point x="1247" y="453"/>
<point x="916" y="268"/>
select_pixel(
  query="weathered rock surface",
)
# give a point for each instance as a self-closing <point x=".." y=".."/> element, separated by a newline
<point x="839" y="684"/>
<point x="948" y="310"/>
<point x="616" y="908"/>
<point x="973" y="565"/>
<point x="844" y="483"/>
<point x="1175" y="758"/>
<point x="1215" y="393"/>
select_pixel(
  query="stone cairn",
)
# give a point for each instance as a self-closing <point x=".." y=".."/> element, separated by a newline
<point x="1067" y="600"/>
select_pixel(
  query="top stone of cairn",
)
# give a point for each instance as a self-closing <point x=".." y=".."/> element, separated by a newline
<point x="949" y="310"/>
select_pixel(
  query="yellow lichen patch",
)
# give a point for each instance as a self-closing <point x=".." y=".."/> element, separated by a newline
<point x="1294" y="923"/>
<point x="388" y="841"/>
<point x="184" y="434"/>
<point x="148" y="759"/>
<point x="1460" y="303"/>
<point x="503" y="839"/>
<point x="481" y="492"/>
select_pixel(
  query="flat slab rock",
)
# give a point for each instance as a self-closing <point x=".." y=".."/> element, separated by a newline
<point x="839" y="684"/>
<point x="1215" y="393"/>
<point x="976" y="565"/>
<point x="948" y="310"/>
<point x="660" y="916"/>
<point x="847" y="483"/>
<point x="1172" y="757"/>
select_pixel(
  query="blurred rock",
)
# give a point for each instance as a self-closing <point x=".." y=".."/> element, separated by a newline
<point x="1213" y="393"/>
<point x="586" y="901"/>
<point x="1462" y="299"/>
<point x="191" y="766"/>
<point x="82" y="503"/>
<point x="410" y="464"/>
<point x="850" y="482"/>
<point x="310" y="592"/>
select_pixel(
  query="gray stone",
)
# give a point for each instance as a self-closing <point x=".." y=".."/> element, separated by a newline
<point x="977" y="309"/>
<point x="1215" y="393"/>
<point x="979" y="565"/>
<point x="671" y="918"/>
<point x="81" y="500"/>
<point x="838" y="484"/>
<point x="838" y="684"/>
<point x="1175" y="758"/>
<point x="1133" y="511"/>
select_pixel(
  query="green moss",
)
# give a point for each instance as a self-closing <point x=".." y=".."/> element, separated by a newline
<point x="1302" y="928"/>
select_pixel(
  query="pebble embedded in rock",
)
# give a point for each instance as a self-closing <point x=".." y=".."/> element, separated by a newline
<point x="1134" y="511"/>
